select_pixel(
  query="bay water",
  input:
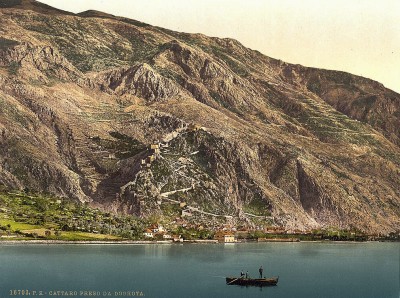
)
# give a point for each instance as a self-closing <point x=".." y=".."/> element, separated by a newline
<point x="366" y="270"/>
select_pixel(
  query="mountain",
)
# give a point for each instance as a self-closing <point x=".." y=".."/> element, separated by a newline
<point x="142" y="120"/>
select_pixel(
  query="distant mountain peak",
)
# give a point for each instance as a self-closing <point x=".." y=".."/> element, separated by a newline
<point x="95" y="13"/>
<point x="34" y="6"/>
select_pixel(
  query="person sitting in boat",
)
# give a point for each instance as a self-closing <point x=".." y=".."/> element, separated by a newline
<point x="261" y="271"/>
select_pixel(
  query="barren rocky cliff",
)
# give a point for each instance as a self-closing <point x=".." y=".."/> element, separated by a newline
<point x="128" y="117"/>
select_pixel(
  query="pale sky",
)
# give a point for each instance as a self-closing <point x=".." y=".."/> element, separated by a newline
<point x="358" y="36"/>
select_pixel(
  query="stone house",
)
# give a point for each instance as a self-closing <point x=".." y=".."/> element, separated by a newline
<point x="148" y="233"/>
<point x="225" y="237"/>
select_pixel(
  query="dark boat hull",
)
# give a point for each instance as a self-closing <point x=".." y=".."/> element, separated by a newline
<point x="259" y="282"/>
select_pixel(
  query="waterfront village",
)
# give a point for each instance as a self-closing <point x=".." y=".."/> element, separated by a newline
<point x="29" y="217"/>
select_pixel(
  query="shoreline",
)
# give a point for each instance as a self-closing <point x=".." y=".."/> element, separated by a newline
<point x="83" y="242"/>
<point x="124" y="242"/>
<point x="163" y="242"/>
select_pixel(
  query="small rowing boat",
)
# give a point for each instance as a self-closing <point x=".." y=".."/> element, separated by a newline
<point x="259" y="282"/>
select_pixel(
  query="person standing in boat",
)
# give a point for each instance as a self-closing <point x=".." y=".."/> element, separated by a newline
<point x="247" y="274"/>
<point x="241" y="273"/>
<point x="261" y="271"/>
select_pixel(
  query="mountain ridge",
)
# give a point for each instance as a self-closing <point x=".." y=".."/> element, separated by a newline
<point x="238" y="132"/>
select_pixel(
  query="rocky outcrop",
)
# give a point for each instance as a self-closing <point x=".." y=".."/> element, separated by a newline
<point x="140" y="80"/>
<point x="357" y="97"/>
<point x="208" y="79"/>
<point x="41" y="63"/>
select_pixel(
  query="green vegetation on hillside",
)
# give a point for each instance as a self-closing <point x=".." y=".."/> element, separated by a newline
<point x="124" y="146"/>
<point x="9" y="3"/>
<point x="39" y="216"/>
<point x="257" y="206"/>
<point x="7" y="43"/>
<point x="13" y="68"/>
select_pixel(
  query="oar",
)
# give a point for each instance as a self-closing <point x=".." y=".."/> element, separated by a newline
<point x="234" y="280"/>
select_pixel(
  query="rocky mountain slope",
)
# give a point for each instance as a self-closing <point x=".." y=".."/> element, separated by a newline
<point x="135" y="119"/>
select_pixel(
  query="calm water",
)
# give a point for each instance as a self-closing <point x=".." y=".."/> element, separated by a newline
<point x="198" y="270"/>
